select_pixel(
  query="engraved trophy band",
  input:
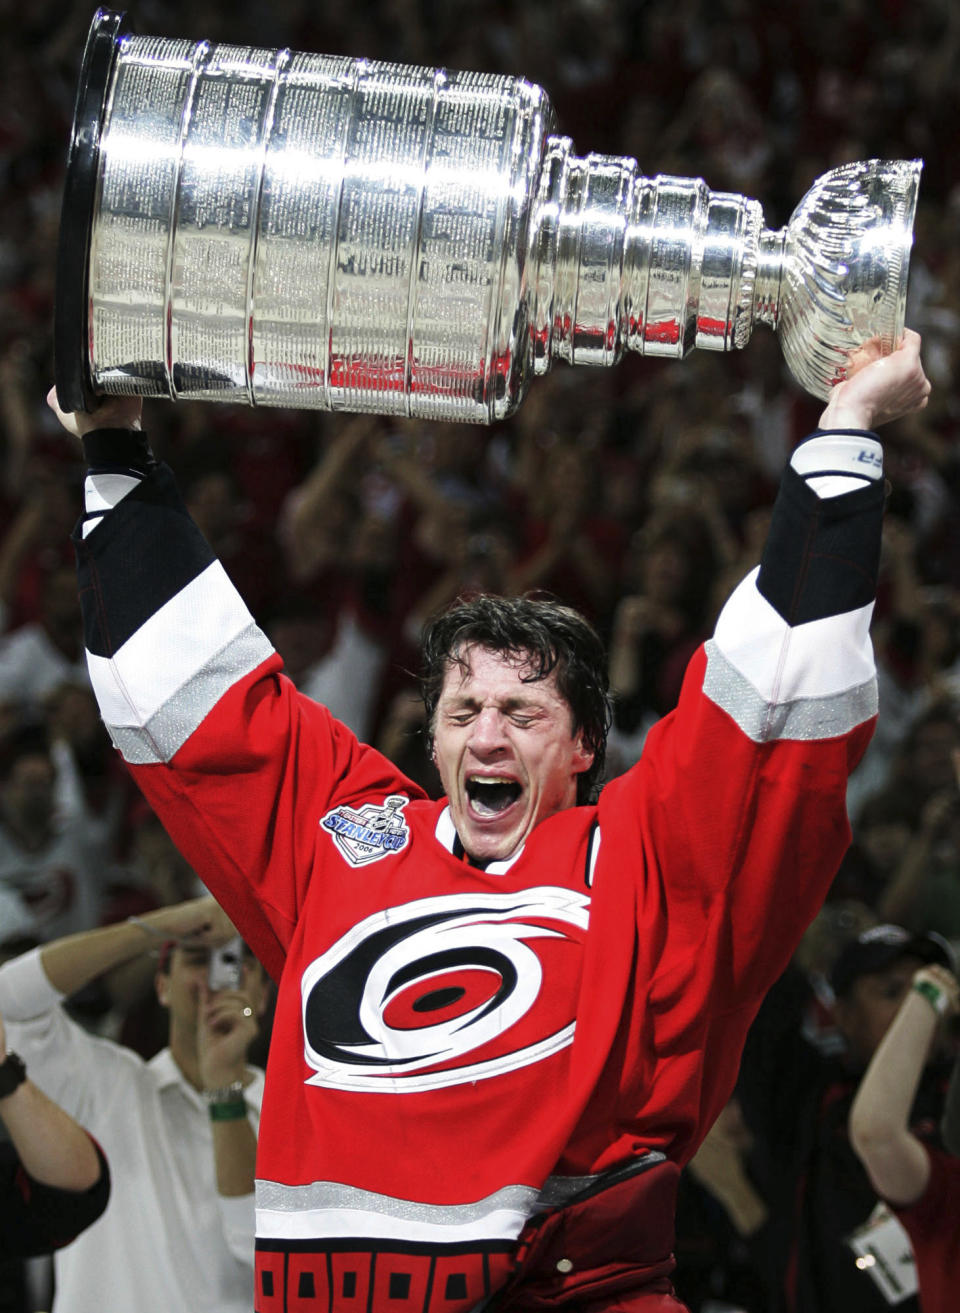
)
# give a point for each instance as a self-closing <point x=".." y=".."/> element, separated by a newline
<point x="287" y="229"/>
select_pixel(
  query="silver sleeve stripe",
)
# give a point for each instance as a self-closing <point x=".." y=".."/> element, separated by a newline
<point x="327" y="1209"/>
<point x="172" y="724"/>
<point x="804" y="718"/>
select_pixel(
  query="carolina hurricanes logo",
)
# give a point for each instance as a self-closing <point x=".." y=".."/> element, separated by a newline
<point x="445" y="990"/>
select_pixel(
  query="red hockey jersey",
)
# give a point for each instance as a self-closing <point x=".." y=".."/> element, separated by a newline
<point x="457" y="1049"/>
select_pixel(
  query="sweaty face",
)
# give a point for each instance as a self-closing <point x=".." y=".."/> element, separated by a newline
<point x="505" y="750"/>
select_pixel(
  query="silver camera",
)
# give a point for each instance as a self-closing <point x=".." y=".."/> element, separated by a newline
<point x="226" y="965"/>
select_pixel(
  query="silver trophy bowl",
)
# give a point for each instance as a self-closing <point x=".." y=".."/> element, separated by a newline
<point x="283" y="229"/>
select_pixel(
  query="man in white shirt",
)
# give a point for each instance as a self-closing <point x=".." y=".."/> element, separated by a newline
<point x="179" y="1131"/>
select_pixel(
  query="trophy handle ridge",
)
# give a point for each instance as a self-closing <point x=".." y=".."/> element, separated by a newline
<point x="70" y="346"/>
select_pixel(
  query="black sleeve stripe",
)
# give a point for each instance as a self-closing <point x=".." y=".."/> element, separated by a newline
<point x="132" y="564"/>
<point x="822" y="554"/>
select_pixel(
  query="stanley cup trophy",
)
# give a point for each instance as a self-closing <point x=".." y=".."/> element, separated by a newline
<point x="284" y="229"/>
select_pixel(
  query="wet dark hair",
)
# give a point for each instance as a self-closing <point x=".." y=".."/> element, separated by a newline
<point x="554" y="638"/>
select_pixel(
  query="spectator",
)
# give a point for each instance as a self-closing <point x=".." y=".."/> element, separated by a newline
<point x="571" y="548"/>
<point x="920" y="1183"/>
<point x="179" y="1131"/>
<point x="717" y="1263"/>
<point x="950" y="1123"/>
<point x="54" y="1180"/>
<point x="250" y="557"/>
<point x="797" y="1102"/>
<point x="883" y="830"/>
<point x="92" y="788"/>
<point x="52" y="864"/>
<point x="39" y="656"/>
<point x="658" y="628"/>
<point x="924" y="889"/>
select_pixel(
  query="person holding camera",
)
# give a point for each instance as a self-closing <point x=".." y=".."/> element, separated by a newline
<point x="179" y="1131"/>
<point x="919" y="1181"/>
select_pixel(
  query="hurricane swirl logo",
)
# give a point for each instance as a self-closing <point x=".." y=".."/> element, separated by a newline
<point x="445" y="990"/>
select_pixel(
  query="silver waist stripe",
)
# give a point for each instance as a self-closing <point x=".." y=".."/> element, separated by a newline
<point x="327" y="1209"/>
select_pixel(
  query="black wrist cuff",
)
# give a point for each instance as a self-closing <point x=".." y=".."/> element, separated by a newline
<point x="118" y="449"/>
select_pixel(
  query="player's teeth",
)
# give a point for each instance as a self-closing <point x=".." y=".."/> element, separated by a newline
<point x="490" y="795"/>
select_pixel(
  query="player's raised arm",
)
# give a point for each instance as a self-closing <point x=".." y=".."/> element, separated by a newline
<point x="738" y="804"/>
<point x="191" y="689"/>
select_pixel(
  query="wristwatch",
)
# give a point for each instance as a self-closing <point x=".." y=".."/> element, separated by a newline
<point x="13" y="1072"/>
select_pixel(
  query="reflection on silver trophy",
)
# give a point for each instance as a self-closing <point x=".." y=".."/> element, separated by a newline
<point x="284" y="229"/>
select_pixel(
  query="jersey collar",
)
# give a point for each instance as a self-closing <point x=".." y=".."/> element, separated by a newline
<point x="447" y="836"/>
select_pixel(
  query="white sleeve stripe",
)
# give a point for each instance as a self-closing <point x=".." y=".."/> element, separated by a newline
<point x="169" y="648"/>
<point x="817" y="659"/>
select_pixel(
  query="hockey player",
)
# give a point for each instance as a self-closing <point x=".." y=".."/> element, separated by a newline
<point x="508" y="1018"/>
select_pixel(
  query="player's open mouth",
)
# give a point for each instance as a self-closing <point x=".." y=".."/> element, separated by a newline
<point x="489" y="796"/>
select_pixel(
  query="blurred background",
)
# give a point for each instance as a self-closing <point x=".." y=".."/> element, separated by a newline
<point x="638" y="494"/>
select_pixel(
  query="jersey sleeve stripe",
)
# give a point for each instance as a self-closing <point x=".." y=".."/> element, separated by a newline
<point x="134" y="562"/>
<point x="165" y="733"/>
<point x="173" y="669"/>
<point x="784" y="662"/>
<point x="807" y="719"/>
<point x="781" y="681"/>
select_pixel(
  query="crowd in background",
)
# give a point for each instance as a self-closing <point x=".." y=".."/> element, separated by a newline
<point x="639" y="495"/>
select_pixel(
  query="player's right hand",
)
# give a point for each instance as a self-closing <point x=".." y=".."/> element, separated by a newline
<point x="111" y="413"/>
<point x="879" y="388"/>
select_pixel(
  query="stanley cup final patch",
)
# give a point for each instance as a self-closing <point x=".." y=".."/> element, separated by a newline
<point x="365" y="834"/>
